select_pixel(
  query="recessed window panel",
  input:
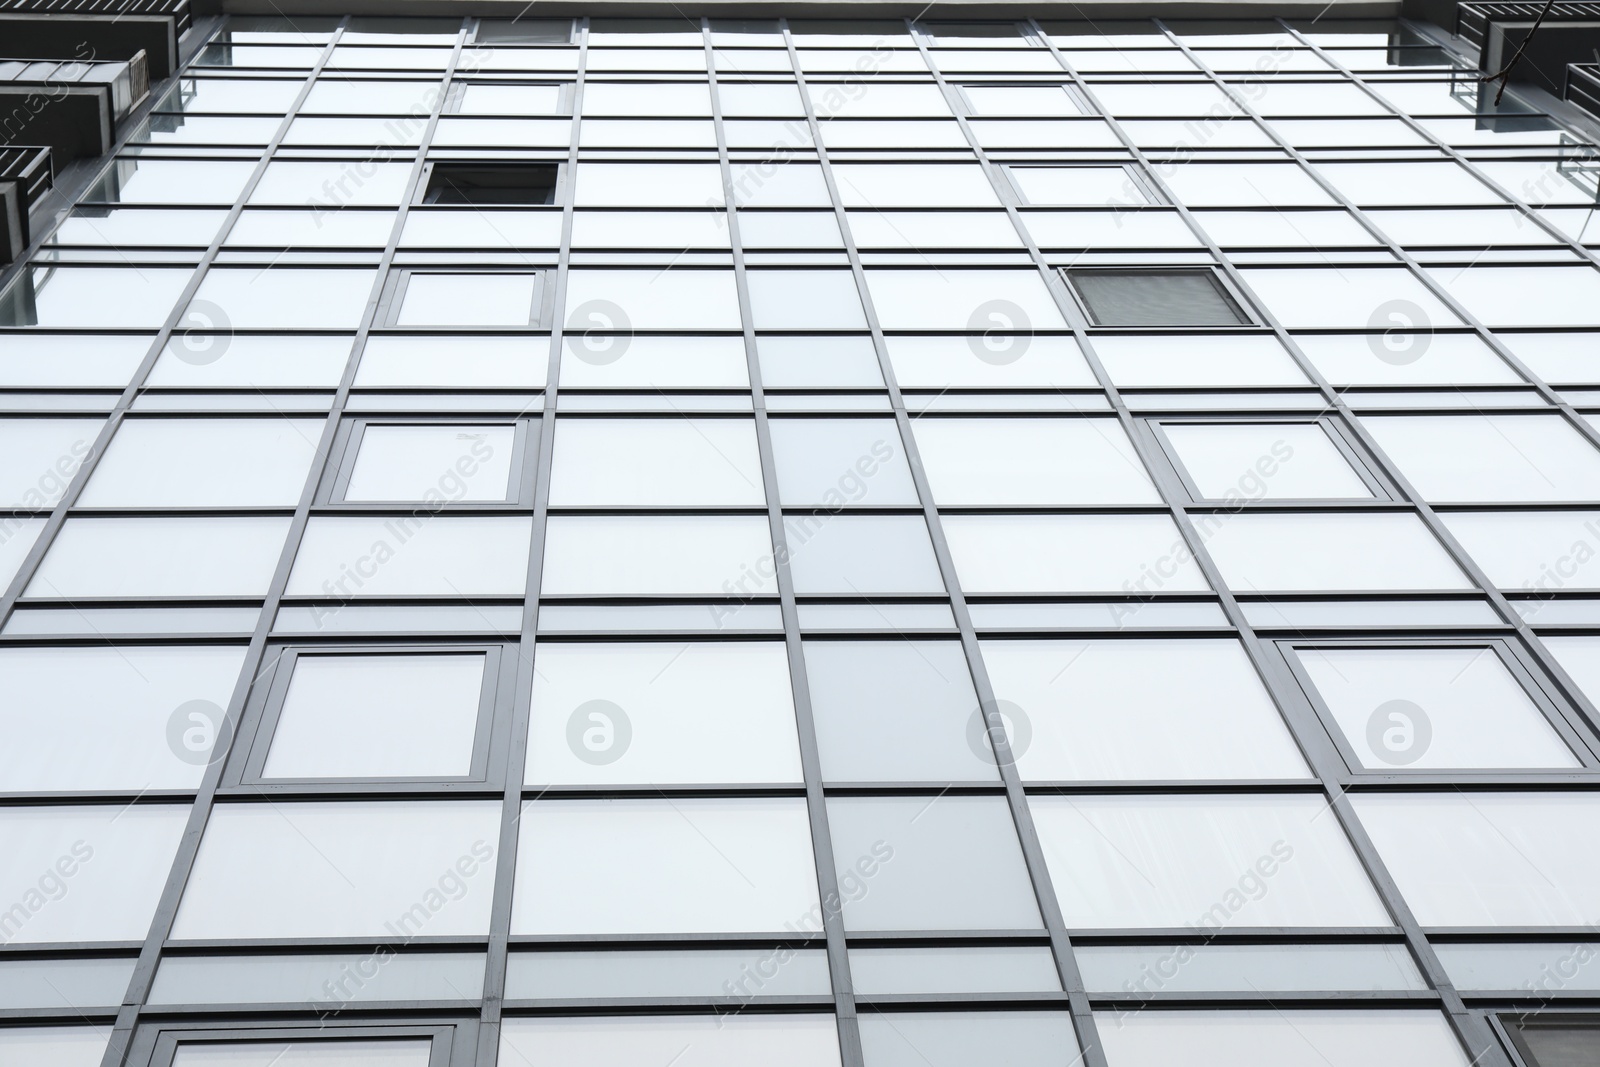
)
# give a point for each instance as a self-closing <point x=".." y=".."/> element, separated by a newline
<point x="155" y="463"/>
<point x="1156" y="298"/>
<point x="1296" y="1038"/>
<point x="132" y="718"/>
<point x="1490" y="457"/>
<point x="600" y="555"/>
<point x="357" y="869"/>
<point x="902" y="710"/>
<point x="1489" y="859"/>
<point x="655" y="712"/>
<point x="687" y="865"/>
<point x="684" y="1041"/>
<point x="1432" y="708"/>
<point x="1020" y="462"/>
<point x="1264" y="461"/>
<point x="491" y="183"/>
<point x="378" y="716"/>
<point x="85" y="872"/>
<point x="418" y="554"/>
<point x="1306" y="551"/>
<point x="433" y="463"/>
<point x="161" y="557"/>
<point x="461" y="299"/>
<point x="1203" y="862"/>
<point x="1121" y="710"/>
<point x="930" y="863"/>
<point x="1071" y="554"/>
<point x="681" y="461"/>
<point x="955" y="1038"/>
<point x="858" y="555"/>
<point x="836" y="462"/>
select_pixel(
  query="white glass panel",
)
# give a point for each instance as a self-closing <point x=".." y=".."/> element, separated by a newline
<point x="733" y="1041"/>
<point x="721" y="555"/>
<point x="834" y="462"/>
<point x="739" y="972"/>
<point x="654" y="299"/>
<point x="1579" y="657"/>
<point x="916" y="230"/>
<point x="595" y="360"/>
<point x="53" y="1046"/>
<point x="420" y="554"/>
<point x="670" y="866"/>
<point x="655" y="712"/>
<point x="76" y="983"/>
<point x="1206" y="361"/>
<point x="1328" y="551"/>
<point x="358" y="869"/>
<point x="1244" y="184"/>
<point x="396" y="716"/>
<point x="501" y="229"/>
<point x="988" y="969"/>
<point x="1264" y="461"/>
<point x="161" y="557"/>
<point x="1282" y="1038"/>
<point x="1020" y="461"/>
<point x="470" y="300"/>
<point x="1539" y="966"/>
<point x="86" y="297"/>
<point x="1203" y="862"/>
<point x="1006" y="356"/>
<point x="1071" y="554"/>
<point x="128" y="718"/>
<point x="675" y="230"/>
<point x="810" y="299"/>
<point x="957" y="1038"/>
<point x="487" y="98"/>
<point x="1533" y="551"/>
<point x="1349" y="297"/>
<point x="377" y="1053"/>
<point x="433" y="463"/>
<point x="398" y="362"/>
<point x="332" y="185"/>
<point x="244" y="462"/>
<point x="1020" y="100"/>
<point x="85" y="872"/>
<point x="1490" y="859"/>
<point x="656" y="461"/>
<point x="853" y="555"/>
<point x="648" y="185"/>
<point x="38" y="457"/>
<point x="256" y="298"/>
<point x="1395" y="358"/>
<point x="1078" y="186"/>
<point x="971" y="300"/>
<point x="331" y="980"/>
<point x="1490" y="457"/>
<point x="877" y="185"/>
<point x="1143" y="970"/>
<point x="1093" y="710"/>
<point x="251" y="362"/>
<point x="1433" y="707"/>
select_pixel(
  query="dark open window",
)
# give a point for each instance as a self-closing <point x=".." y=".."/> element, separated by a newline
<point x="1556" y="1040"/>
<point x="491" y="183"/>
<point x="1156" y="298"/>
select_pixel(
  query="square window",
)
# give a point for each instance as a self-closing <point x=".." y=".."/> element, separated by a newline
<point x="459" y="298"/>
<point x="1430" y="708"/>
<point x="354" y="869"/>
<point x="161" y="557"/>
<point x="491" y="183"/>
<point x="857" y="555"/>
<point x="687" y="865"/>
<point x="156" y="463"/>
<point x="669" y="461"/>
<point x="129" y="718"/>
<point x="1126" y="710"/>
<point x="652" y="713"/>
<point x="1156" y="298"/>
<point x="1009" y="462"/>
<point x="421" y="554"/>
<point x="390" y="715"/>
<point x="930" y="863"/>
<point x="1202" y="861"/>
<point x="85" y="872"/>
<point x="433" y="463"/>
<point x="896" y="711"/>
<point x="678" y="555"/>
<point x="1239" y="461"/>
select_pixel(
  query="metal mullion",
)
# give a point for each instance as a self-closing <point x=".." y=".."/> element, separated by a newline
<point x="1568" y="689"/>
<point x="536" y="486"/>
<point x="1308" y="734"/>
<point x="844" y="998"/>
<point x="1313" y="740"/>
<point x="205" y="796"/>
<point x="1027" y="837"/>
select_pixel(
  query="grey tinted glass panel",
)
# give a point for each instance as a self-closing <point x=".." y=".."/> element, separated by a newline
<point x="73" y="983"/>
<point x="1547" y="966"/>
<point x="738" y="972"/>
<point x="1148" y="969"/>
<point x="961" y="1039"/>
<point x="326" y="979"/>
<point x="988" y="969"/>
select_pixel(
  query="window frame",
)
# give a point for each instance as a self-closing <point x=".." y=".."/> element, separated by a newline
<point x="398" y="282"/>
<point x="419" y="195"/>
<point x="264" y="710"/>
<point x="1224" y="286"/>
<point x="1156" y="425"/>
<point x="1518" y="666"/>
<point x="352" y="432"/>
<point x="157" y="1044"/>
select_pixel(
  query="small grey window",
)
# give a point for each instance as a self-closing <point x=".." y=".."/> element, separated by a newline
<point x="1555" y="1041"/>
<point x="1156" y="298"/>
<point x="524" y="31"/>
<point x="491" y="183"/>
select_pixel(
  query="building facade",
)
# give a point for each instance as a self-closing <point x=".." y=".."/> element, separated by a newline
<point x="800" y="539"/>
